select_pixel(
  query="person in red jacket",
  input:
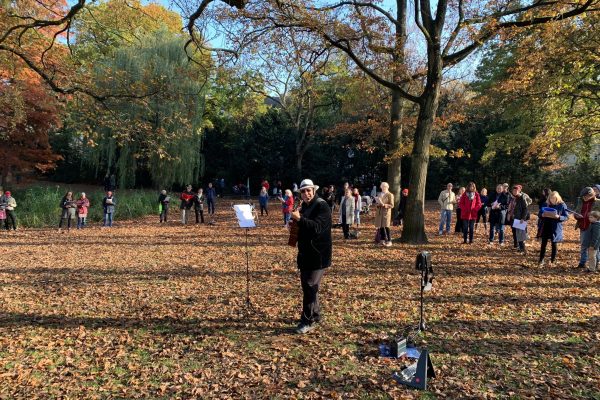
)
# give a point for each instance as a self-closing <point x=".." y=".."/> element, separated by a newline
<point x="287" y="204"/>
<point x="469" y="205"/>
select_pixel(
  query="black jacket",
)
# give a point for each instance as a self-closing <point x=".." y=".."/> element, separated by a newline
<point x="521" y="212"/>
<point x="498" y="215"/>
<point x="314" y="235"/>
<point x="164" y="200"/>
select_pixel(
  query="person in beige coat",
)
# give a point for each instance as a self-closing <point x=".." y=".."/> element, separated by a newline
<point x="347" y="212"/>
<point x="383" y="218"/>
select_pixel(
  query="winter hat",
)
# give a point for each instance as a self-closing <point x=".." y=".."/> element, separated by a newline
<point x="307" y="183"/>
<point x="7" y="193"/>
<point x="404" y="191"/>
<point x="586" y="191"/>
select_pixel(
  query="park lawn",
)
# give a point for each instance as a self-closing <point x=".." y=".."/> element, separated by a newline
<point x="153" y="312"/>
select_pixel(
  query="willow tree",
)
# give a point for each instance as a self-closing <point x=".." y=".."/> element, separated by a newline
<point x="159" y="132"/>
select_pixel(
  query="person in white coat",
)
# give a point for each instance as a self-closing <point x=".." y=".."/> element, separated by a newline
<point x="347" y="208"/>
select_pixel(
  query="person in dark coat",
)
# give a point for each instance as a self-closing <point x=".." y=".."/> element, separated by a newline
<point x="108" y="204"/>
<point x="211" y="197"/>
<point x="187" y="201"/>
<point x="542" y="202"/>
<point x="163" y="201"/>
<point x="402" y="207"/>
<point x="498" y="204"/>
<point x="552" y="225"/>
<point x="519" y="212"/>
<point x="314" y="251"/>
<point x="199" y="206"/>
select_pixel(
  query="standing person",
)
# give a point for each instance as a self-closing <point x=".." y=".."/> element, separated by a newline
<point x="469" y="205"/>
<point x="447" y="201"/>
<point x="542" y="202"/>
<point x="68" y="210"/>
<point x="263" y="200"/>
<point x="593" y="241"/>
<point x="187" y="200"/>
<point x="2" y="211"/>
<point x="586" y="203"/>
<point x="383" y="217"/>
<point x="519" y="214"/>
<point x="357" y="206"/>
<point x="83" y="204"/>
<point x="11" y="217"/>
<point x="108" y="204"/>
<point x="163" y="205"/>
<point x="314" y="251"/>
<point x="402" y="206"/>
<point x="199" y="206"/>
<point x="459" y="225"/>
<point x="222" y="185"/>
<point x="287" y="206"/>
<point x="553" y="215"/>
<point x="483" y="211"/>
<point x="211" y="197"/>
<point x="330" y="197"/>
<point x="265" y="184"/>
<point x="498" y="204"/>
<point x="347" y="212"/>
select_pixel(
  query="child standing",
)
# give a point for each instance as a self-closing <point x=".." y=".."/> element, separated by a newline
<point x="593" y="241"/>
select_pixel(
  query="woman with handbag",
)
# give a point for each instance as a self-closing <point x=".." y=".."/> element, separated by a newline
<point x="383" y="218"/>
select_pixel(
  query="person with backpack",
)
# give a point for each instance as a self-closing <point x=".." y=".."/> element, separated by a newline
<point x="108" y="204"/>
<point x="552" y="216"/>
<point x="83" y="204"/>
<point x="469" y="205"/>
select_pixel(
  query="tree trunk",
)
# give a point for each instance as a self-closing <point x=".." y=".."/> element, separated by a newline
<point x="299" y="157"/>
<point x="394" y="171"/>
<point x="414" y="218"/>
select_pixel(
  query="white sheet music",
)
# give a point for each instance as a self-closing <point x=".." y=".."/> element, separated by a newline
<point x="243" y="212"/>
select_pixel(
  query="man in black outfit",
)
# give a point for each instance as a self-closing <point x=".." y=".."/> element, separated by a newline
<point x="314" y="251"/>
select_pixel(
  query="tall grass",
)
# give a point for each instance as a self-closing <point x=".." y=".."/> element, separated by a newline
<point x="40" y="207"/>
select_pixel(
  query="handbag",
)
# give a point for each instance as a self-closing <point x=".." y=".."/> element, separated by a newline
<point x="377" y="236"/>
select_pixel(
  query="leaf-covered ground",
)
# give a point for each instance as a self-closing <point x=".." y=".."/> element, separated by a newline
<point x="150" y="311"/>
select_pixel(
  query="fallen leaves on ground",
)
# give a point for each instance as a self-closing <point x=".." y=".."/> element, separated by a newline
<point x="158" y="311"/>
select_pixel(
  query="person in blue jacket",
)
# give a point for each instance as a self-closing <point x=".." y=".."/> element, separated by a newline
<point x="211" y="196"/>
<point x="552" y="218"/>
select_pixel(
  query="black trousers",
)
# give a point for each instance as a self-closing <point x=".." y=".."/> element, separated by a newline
<point x="11" y="219"/>
<point x="385" y="234"/>
<point x="543" y="249"/>
<point x="468" y="226"/>
<point x="459" y="226"/>
<point x="263" y="209"/>
<point x="311" y="309"/>
<point x="199" y="215"/>
<point x="211" y="206"/>
<point x="68" y="219"/>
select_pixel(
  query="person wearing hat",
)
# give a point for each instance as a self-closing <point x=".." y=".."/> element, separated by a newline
<point x="11" y="217"/>
<point x="586" y="203"/>
<point x="596" y="189"/>
<point x="314" y="251"/>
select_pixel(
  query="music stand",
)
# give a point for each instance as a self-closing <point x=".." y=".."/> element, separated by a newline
<point x="246" y="219"/>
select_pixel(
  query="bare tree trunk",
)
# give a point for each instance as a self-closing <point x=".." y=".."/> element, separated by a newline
<point x="299" y="157"/>
<point x="414" y="218"/>
<point x="394" y="172"/>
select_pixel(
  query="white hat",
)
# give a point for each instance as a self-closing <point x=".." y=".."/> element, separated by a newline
<point x="307" y="183"/>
